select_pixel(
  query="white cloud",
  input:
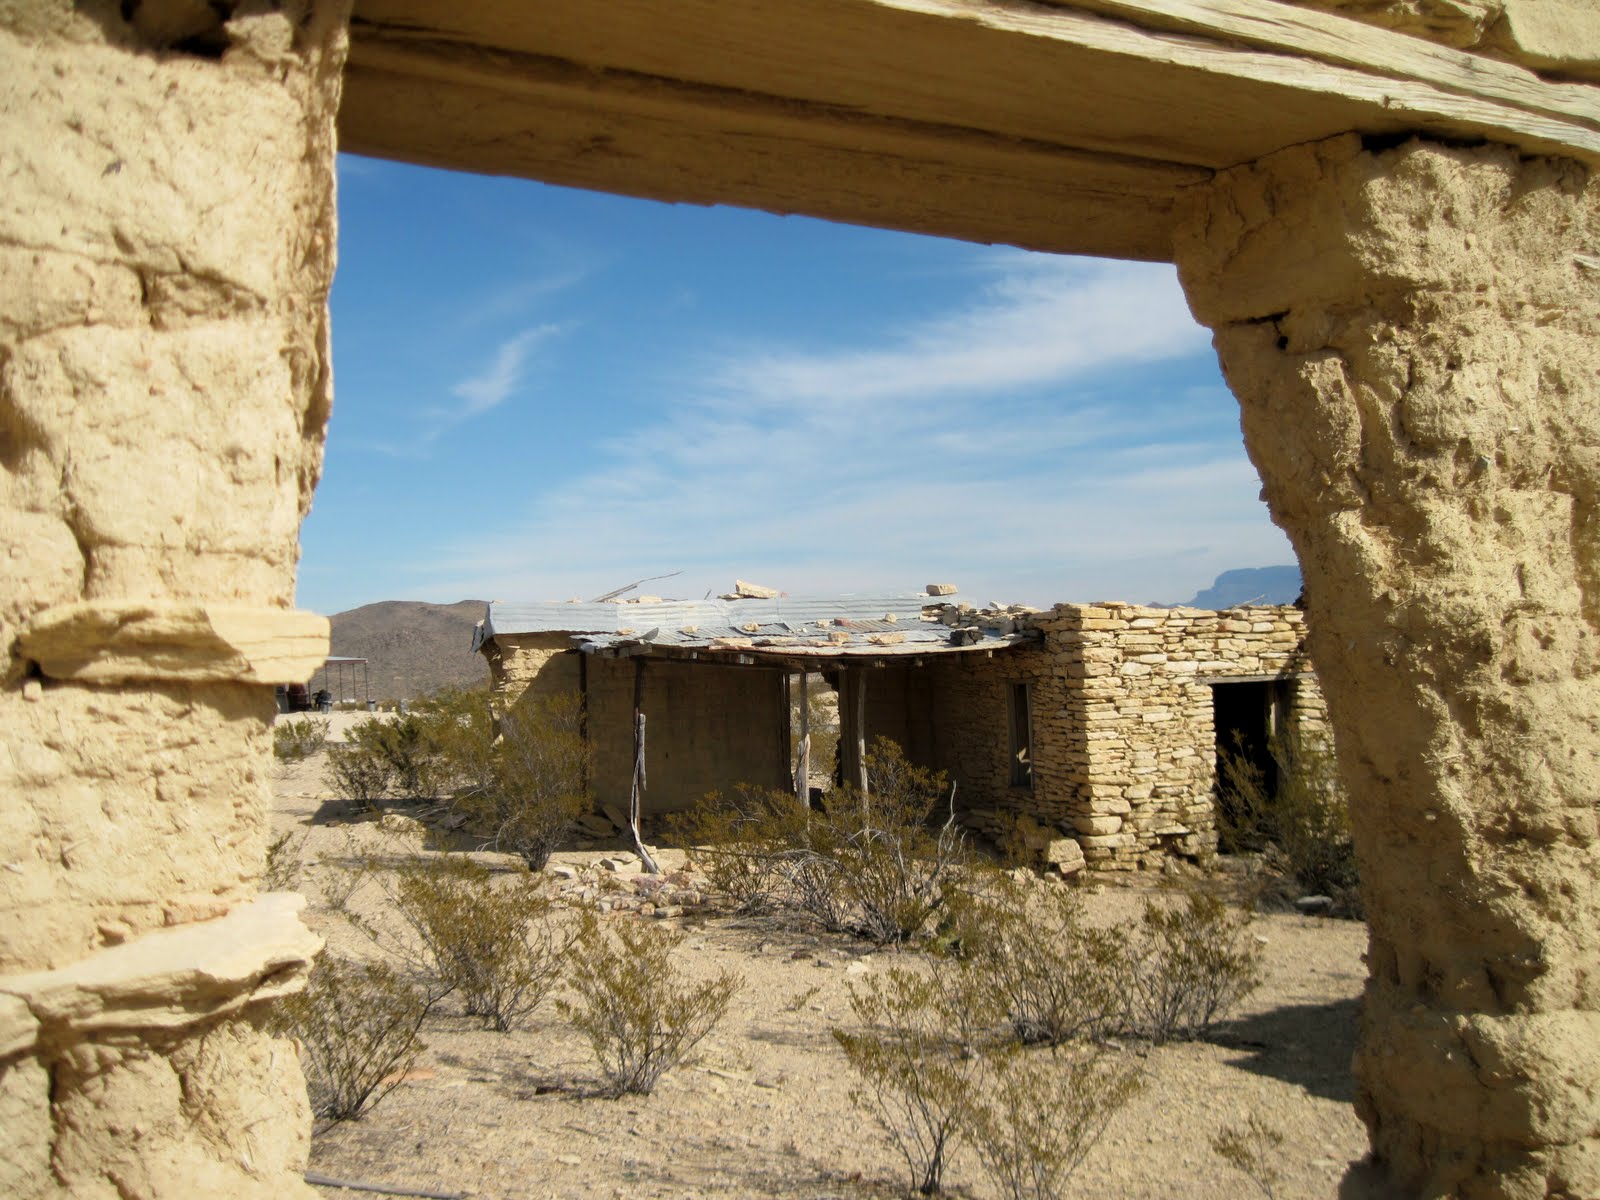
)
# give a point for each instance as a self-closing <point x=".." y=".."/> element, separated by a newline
<point x="1019" y="446"/>
<point x="502" y="376"/>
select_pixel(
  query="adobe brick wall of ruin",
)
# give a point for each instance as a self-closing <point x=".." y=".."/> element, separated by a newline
<point x="707" y="726"/>
<point x="166" y="247"/>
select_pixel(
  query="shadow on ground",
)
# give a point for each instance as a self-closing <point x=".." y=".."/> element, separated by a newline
<point x="1308" y="1045"/>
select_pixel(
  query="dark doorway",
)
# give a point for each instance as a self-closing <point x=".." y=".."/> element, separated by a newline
<point x="1247" y="720"/>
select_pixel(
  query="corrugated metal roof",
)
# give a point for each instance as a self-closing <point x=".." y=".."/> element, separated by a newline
<point x="805" y="626"/>
<point x="800" y="611"/>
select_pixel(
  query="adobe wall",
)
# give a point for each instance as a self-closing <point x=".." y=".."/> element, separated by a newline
<point x="706" y="725"/>
<point x="166" y="247"/>
<point x="1411" y="331"/>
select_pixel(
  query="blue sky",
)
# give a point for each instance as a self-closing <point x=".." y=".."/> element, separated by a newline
<point x="543" y="393"/>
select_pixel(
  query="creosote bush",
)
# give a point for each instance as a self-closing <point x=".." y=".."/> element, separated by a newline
<point x="940" y="1064"/>
<point x="530" y="786"/>
<point x="382" y="762"/>
<point x="1039" y="1114"/>
<point x="356" y="1024"/>
<point x="914" y="1057"/>
<point x="1253" y="1151"/>
<point x="1055" y="977"/>
<point x="492" y="941"/>
<point x="1192" y="964"/>
<point x="879" y="864"/>
<point x="283" y="863"/>
<point x="641" y="1016"/>
<point x="521" y="782"/>
<point x="299" y="738"/>
<point x="1301" y="819"/>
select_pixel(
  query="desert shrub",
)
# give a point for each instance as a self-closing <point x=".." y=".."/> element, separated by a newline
<point x="527" y="787"/>
<point x="390" y="760"/>
<point x="872" y="863"/>
<point x="1055" y="977"/>
<point x="739" y="839"/>
<point x="356" y="1024"/>
<point x="938" y="1064"/>
<point x="915" y="1059"/>
<point x="639" y="1014"/>
<point x="1304" y="820"/>
<point x="494" y="942"/>
<point x="299" y="738"/>
<point x="1040" y="1112"/>
<point x="1191" y="964"/>
<point x="1253" y="1151"/>
<point x="283" y="863"/>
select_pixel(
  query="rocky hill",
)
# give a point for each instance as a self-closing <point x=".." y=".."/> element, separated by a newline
<point x="1249" y="585"/>
<point x="412" y="647"/>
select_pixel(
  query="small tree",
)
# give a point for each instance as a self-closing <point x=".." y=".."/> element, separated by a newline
<point x="640" y="1015"/>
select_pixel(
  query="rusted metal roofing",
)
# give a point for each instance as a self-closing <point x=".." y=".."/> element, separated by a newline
<point x="785" y="626"/>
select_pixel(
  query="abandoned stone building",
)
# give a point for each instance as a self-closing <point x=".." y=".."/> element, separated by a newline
<point x="1089" y="732"/>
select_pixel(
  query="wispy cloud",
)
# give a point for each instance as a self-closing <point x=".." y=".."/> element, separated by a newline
<point x="501" y="377"/>
<point x="1023" y="443"/>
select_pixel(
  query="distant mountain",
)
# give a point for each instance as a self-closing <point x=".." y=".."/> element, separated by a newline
<point x="1250" y="585"/>
<point x="411" y="648"/>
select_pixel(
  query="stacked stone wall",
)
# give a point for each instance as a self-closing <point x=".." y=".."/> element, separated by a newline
<point x="1141" y="775"/>
<point x="1123" y="737"/>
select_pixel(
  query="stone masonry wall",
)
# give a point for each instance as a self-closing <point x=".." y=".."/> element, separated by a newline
<point x="1124" y="744"/>
<point x="166" y="247"/>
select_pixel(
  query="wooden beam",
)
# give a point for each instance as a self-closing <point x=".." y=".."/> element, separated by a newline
<point x="1061" y="126"/>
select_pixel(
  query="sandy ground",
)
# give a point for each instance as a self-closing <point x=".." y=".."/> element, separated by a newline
<point x="763" y="1109"/>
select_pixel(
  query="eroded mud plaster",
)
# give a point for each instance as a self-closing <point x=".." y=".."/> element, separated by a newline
<point x="1411" y="331"/>
<point x="166" y="247"/>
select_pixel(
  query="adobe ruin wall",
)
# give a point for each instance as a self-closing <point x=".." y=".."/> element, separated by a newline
<point x="166" y="248"/>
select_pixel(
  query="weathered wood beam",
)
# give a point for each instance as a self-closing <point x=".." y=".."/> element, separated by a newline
<point x="1054" y="126"/>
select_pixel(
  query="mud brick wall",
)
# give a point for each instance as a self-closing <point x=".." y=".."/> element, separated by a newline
<point x="707" y="726"/>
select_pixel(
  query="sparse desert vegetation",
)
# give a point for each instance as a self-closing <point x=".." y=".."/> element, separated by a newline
<point x="1052" y="1091"/>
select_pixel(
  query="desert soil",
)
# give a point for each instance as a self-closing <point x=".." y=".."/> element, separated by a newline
<point x="763" y="1109"/>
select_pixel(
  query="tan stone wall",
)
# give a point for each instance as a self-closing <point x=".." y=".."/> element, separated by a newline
<point x="1124" y="743"/>
<point x="166" y="246"/>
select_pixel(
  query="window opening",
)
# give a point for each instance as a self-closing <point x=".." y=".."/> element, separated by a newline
<point x="1021" y="721"/>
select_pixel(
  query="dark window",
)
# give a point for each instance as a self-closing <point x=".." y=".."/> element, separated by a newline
<point x="1021" y="736"/>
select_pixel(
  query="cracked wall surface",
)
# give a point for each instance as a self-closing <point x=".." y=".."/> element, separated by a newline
<point x="1411" y="331"/>
<point x="166" y="248"/>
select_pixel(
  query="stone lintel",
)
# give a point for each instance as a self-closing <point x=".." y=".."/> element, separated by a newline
<point x="153" y="640"/>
